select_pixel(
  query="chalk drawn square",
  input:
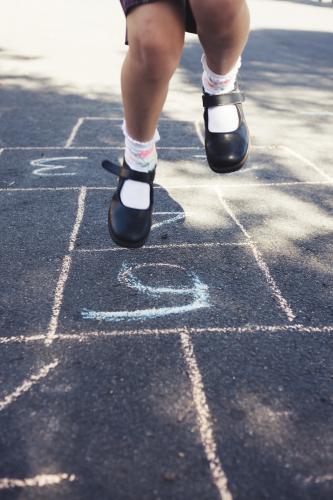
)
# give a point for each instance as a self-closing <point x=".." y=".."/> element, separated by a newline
<point x="54" y="168"/>
<point x="166" y="288"/>
<point x="101" y="132"/>
<point x="293" y="228"/>
<point x="266" y="164"/>
<point x="117" y="404"/>
<point x="35" y="230"/>
<point x="178" y="218"/>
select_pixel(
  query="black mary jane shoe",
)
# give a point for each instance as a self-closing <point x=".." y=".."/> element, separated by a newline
<point x="226" y="152"/>
<point x="129" y="227"/>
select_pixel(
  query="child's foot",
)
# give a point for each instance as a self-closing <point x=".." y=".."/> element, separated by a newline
<point x="131" y="208"/>
<point x="226" y="151"/>
<point x="129" y="227"/>
<point x="226" y="133"/>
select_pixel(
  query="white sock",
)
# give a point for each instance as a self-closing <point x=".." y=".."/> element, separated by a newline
<point x="140" y="156"/>
<point x="221" y="119"/>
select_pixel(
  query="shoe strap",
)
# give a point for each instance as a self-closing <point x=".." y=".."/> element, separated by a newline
<point x="125" y="172"/>
<point x="210" y="101"/>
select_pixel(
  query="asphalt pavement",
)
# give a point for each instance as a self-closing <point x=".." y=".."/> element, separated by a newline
<point x="198" y="367"/>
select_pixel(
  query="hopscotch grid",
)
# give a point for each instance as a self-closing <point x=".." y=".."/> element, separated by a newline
<point x="275" y="290"/>
<point x="204" y="418"/>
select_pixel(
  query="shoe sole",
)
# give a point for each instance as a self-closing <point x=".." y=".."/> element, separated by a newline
<point x="122" y="243"/>
<point x="234" y="168"/>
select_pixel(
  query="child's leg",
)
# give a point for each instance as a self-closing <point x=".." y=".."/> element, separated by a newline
<point x="223" y="27"/>
<point x="156" y="39"/>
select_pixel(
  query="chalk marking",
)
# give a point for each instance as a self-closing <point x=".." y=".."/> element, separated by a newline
<point x="120" y="148"/>
<point x="249" y="169"/>
<point x="45" y="168"/>
<point x="276" y="292"/>
<point x="166" y="246"/>
<point x="78" y="220"/>
<point x="184" y="186"/>
<point x="120" y="119"/>
<point x="1" y="151"/>
<point x="27" y="384"/>
<point x="199" y="292"/>
<point x="244" y="330"/>
<point x="38" y="481"/>
<point x="197" y="126"/>
<point x="318" y="479"/>
<point x="19" y="190"/>
<point x="65" y="268"/>
<point x="176" y="216"/>
<point x="204" y="418"/>
<point x="74" y="132"/>
<point x="94" y="148"/>
<point x="307" y="162"/>
<point x="315" y="113"/>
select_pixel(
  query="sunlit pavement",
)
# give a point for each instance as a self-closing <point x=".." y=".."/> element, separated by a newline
<point x="197" y="367"/>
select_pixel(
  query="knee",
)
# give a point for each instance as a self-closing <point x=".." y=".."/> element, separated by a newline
<point x="156" y="54"/>
<point x="217" y="15"/>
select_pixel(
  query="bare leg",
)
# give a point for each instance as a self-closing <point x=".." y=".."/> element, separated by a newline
<point x="223" y="28"/>
<point x="156" y="40"/>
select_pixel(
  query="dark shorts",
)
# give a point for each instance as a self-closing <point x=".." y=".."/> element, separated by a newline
<point x="190" y="25"/>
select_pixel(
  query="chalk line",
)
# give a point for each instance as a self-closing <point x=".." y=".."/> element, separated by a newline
<point x="166" y="246"/>
<point x="27" y="384"/>
<point x="177" y="216"/>
<point x="120" y="119"/>
<point x="65" y="268"/>
<point x="22" y="190"/>
<point x="78" y="220"/>
<point x="204" y="418"/>
<point x="315" y="113"/>
<point x="184" y="186"/>
<point x="276" y="292"/>
<point x="38" y="481"/>
<point x="86" y="336"/>
<point x="73" y="133"/>
<point x="318" y="479"/>
<point x="307" y="162"/>
<point x="197" y="126"/>
<point x="95" y="148"/>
